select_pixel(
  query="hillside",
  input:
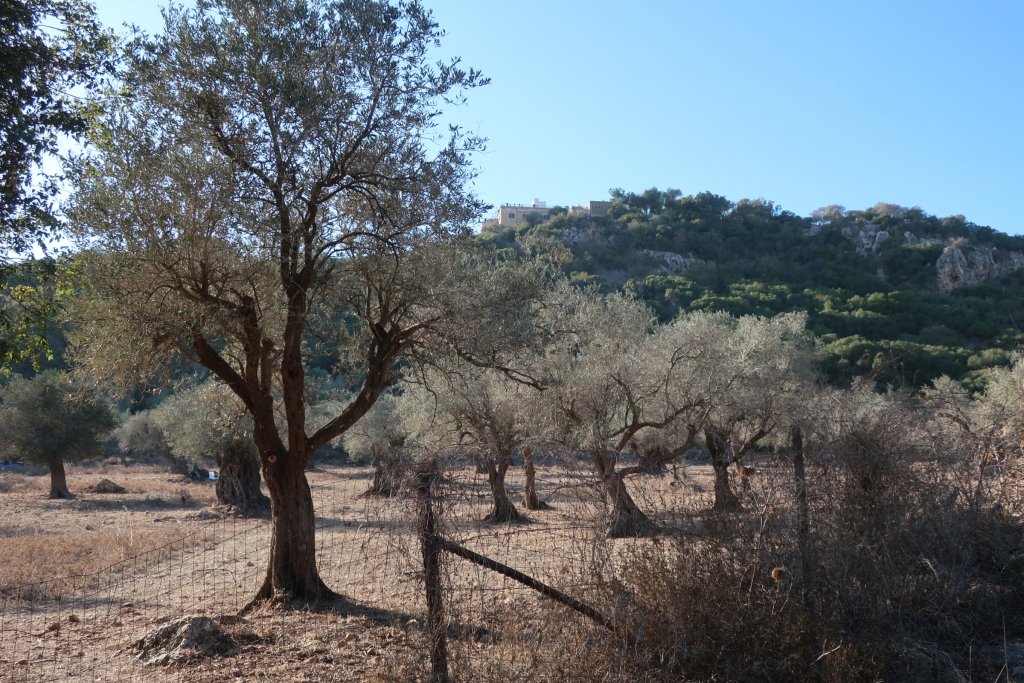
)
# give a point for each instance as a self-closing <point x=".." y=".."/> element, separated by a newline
<point x="889" y="290"/>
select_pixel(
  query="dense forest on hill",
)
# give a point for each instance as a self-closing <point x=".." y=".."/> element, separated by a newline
<point x="868" y="279"/>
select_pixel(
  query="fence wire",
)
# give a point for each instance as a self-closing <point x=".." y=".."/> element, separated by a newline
<point x="367" y="550"/>
<point x="925" y="552"/>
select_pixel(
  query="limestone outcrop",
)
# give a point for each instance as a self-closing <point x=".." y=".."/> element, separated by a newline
<point x="912" y="240"/>
<point x="962" y="264"/>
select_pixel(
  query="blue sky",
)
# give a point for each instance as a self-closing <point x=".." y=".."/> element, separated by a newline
<point x="803" y="103"/>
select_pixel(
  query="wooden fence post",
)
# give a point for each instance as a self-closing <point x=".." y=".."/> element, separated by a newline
<point x="431" y="548"/>
<point x="808" y="568"/>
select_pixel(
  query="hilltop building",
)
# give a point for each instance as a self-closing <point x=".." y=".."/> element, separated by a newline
<point x="515" y="214"/>
<point x="593" y="209"/>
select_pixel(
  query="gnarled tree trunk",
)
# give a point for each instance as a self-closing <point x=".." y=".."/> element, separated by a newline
<point x="58" y="479"/>
<point x="239" y="482"/>
<point x="626" y="519"/>
<point x="530" y="499"/>
<point x="292" y="573"/>
<point x="503" y="510"/>
<point x="718" y="447"/>
<point x="385" y="475"/>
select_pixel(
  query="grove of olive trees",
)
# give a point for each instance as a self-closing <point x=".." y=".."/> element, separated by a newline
<point x="275" y="234"/>
<point x="620" y="381"/>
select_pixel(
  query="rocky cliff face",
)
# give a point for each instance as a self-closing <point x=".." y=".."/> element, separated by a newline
<point x="962" y="264"/>
<point x="585" y="235"/>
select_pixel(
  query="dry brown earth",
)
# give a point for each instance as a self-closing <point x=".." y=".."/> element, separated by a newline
<point x="82" y="580"/>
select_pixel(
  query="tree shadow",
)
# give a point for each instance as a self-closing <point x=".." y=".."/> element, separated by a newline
<point x="91" y="504"/>
<point x="346" y="473"/>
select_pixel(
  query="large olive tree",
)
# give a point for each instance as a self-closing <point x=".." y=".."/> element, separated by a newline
<point x="268" y="162"/>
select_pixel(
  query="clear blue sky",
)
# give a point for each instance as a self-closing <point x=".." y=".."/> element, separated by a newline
<point x="804" y="103"/>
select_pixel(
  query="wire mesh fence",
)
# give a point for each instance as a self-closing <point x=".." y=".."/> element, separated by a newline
<point x="88" y="626"/>
<point x="931" y="561"/>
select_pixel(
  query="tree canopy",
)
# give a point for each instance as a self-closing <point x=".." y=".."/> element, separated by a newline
<point x="51" y="53"/>
<point x="49" y="48"/>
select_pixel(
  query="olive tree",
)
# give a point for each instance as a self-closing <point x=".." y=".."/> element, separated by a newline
<point x="208" y="422"/>
<point x="381" y="438"/>
<point x="494" y="416"/>
<point x="47" y="419"/>
<point x="618" y="376"/>
<point x="402" y="431"/>
<point x="1001" y="404"/>
<point x="759" y="366"/>
<point x="140" y="436"/>
<point x="984" y="432"/>
<point x="270" y="158"/>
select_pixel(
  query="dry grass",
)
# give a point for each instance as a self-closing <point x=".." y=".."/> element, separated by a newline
<point x="51" y="566"/>
<point x="10" y="483"/>
<point x="18" y="481"/>
<point x="53" y="549"/>
<point x="901" y="580"/>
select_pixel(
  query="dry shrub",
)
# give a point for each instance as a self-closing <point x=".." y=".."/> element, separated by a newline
<point x="51" y="566"/>
<point x="910" y="558"/>
<point x="905" y="578"/>
<point x="718" y="601"/>
<point x="535" y="639"/>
